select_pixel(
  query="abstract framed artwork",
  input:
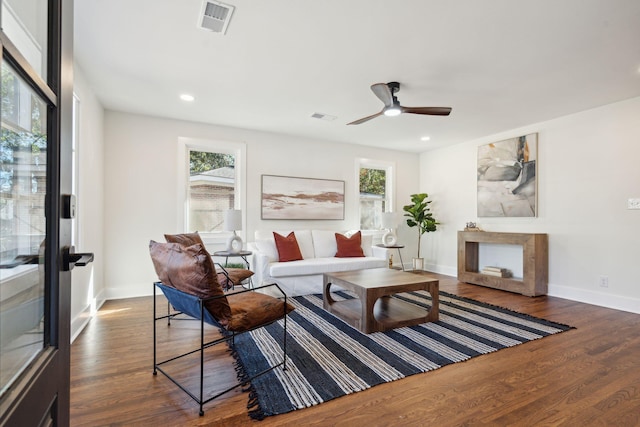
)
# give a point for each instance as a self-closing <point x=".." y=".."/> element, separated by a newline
<point x="507" y="170"/>
<point x="287" y="197"/>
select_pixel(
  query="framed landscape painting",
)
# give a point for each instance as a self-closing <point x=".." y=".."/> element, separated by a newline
<point x="507" y="172"/>
<point x="286" y="197"/>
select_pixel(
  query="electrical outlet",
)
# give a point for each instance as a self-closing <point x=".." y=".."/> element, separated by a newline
<point x="633" y="203"/>
<point x="604" y="281"/>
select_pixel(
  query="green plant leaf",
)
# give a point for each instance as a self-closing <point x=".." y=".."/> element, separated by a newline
<point x="418" y="214"/>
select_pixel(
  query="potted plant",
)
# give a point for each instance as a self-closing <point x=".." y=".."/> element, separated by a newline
<point x="419" y="215"/>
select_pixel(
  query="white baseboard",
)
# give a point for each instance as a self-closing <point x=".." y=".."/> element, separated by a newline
<point x="79" y="322"/>
<point x="601" y="299"/>
<point x="447" y="271"/>
<point x="574" y="294"/>
<point x="130" y="292"/>
<point x="442" y="269"/>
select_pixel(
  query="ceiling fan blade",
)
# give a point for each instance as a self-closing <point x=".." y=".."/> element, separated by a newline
<point x="430" y="111"/>
<point x="365" y="119"/>
<point x="382" y="91"/>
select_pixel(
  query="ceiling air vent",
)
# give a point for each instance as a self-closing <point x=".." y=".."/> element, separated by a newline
<point x="323" y="116"/>
<point x="215" y="16"/>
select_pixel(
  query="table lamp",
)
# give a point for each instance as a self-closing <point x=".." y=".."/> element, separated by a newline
<point x="233" y="222"/>
<point x="389" y="238"/>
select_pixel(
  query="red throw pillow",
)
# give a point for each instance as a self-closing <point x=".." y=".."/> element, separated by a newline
<point x="349" y="246"/>
<point x="288" y="249"/>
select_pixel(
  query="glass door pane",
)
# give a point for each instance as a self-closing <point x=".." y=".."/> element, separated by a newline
<point x="23" y="176"/>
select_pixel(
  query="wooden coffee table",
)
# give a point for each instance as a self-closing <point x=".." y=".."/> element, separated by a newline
<point x="374" y="310"/>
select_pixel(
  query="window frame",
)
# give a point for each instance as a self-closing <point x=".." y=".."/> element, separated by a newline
<point x="390" y="182"/>
<point x="239" y="151"/>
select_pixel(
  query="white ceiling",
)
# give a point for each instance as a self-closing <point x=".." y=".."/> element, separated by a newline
<point x="500" y="64"/>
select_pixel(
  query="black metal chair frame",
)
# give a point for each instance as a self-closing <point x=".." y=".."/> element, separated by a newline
<point x="227" y="336"/>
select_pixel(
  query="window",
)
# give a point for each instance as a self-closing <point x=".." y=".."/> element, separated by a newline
<point x="375" y="188"/>
<point x="211" y="189"/>
<point x="213" y="182"/>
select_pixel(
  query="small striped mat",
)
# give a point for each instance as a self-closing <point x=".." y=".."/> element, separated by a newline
<point x="327" y="358"/>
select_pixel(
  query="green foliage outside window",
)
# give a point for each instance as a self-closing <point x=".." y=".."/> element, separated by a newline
<point x="373" y="181"/>
<point x="203" y="161"/>
<point x="14" y="137"/>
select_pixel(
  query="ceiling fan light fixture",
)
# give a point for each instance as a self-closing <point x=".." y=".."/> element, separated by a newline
<point x="392" y="111"/>
<point x="386" y="92"/>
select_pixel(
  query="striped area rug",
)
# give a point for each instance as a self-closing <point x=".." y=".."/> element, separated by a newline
<point x="328" y="358"/>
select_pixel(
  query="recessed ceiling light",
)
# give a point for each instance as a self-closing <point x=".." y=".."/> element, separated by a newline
<point x="187" y="97"/>
<point x="425" y="138"/>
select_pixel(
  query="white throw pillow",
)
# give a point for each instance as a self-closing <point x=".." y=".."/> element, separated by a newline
<point x="305" y="243"/>
<point x="324" y="243"/>
<point x="367" y="241"/>
<point x="267" y="244"/>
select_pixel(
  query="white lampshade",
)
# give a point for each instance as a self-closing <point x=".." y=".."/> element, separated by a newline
<point x="388" y="220"/>
<point x="232" y="220"/>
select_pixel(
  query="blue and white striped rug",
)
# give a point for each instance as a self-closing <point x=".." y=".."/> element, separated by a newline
<point x="327" y="358"/>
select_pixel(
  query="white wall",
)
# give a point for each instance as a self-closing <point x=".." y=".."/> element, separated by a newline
<point x="587" y="169"/>
<point x="141" y="185"/>
<point x="87" y="288"/>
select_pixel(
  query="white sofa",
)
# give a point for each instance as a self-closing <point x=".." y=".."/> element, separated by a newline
<point x="318" y="248"/>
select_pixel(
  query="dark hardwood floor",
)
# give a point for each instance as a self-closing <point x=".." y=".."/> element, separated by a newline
<point x="583" y="377"/>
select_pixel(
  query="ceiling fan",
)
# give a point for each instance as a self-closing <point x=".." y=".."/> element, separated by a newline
<point x="387" y="94"/>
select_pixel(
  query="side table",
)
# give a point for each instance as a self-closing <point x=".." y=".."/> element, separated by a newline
<point x="241" y="254"/>
<point x="398" y="247"/>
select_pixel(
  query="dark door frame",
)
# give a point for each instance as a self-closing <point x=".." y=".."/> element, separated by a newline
<point x="40" y="396"/>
